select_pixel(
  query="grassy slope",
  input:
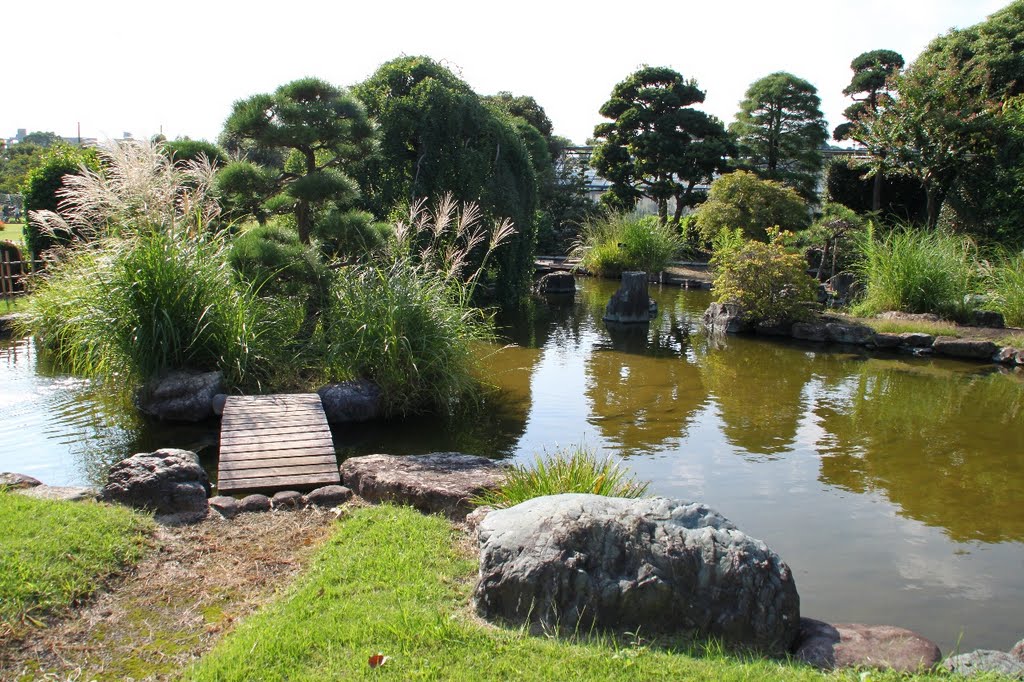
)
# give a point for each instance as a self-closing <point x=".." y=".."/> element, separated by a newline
<point x="11" y="232"/>
<point x="53" y="553"/>
<point x="390" y="581"/>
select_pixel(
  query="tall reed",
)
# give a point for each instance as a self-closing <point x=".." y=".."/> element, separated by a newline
<point x="916" y="271"/>
<point x="1005" y="283"/>
<point x="620" y="242"/>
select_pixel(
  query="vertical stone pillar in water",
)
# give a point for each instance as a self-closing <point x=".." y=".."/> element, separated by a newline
<point x="631" y="304"/>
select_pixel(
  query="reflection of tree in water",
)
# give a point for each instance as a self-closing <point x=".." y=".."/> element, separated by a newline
<point x="641" y="398"/>
<point x="946" y="447"/>
<point x="759" y="389"/>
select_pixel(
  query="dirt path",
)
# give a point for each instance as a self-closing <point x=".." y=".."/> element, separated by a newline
<point x="193" y="586"/>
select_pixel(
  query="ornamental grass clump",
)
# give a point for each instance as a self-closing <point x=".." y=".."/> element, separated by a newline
<point x="151" y="290"/>
<point x="621" y="242"/>
<point x="572" y="470"/>
<point x="916" y="271"/>
<point x="1005" y="283"/>
<point x="406" y="320"/>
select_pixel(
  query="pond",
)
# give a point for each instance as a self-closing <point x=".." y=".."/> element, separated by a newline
<point x="892" y="486"/>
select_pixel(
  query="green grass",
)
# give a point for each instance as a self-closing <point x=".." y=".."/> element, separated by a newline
<point x="13" y="304"/>
<point x="617" y="243"/>
<point x="917" y="271"/>
<point x="55" y="553"/>
<point x="390" y="581"/>
<point x="914" y="326"/>
<point x="1005" y="282"/>
<point x="12" y="232"/>
<point x="571" y="470"/>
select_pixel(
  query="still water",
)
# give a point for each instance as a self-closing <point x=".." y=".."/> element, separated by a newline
<point x="892" y="486"/>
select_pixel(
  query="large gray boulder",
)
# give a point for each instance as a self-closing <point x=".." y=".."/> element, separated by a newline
<point x="985" y="661"/>
<point x="631" y="304"/>
<point x="181" y="396"/>
<point x="351" y="401"/>
<point x="168" y="481"/>
<point x="854" y="334"/>
<point x="579" y="561"/>
<point x="854" y="645"/>
<point x="556" y="283"/>
<point x="15" y="481"/>
<point x="726" y="318"/>
<point x="441" y="482"/>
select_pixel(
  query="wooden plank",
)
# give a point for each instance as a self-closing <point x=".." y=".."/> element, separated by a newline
<point x="305" y="452"/>
<point x="276" y="442"/>
<point x="245" y="437"/>
<point x="246" y="464"/>
<point x="279" y="482"/>
<point x="311" y="470"/>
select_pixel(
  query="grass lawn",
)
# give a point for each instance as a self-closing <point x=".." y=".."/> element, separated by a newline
<point x="394" y="582"/>
<point x="54" y="553"/>
<point x="11" y="232"/>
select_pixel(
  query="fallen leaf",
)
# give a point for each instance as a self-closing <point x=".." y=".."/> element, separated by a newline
<point x="378" y="660"/>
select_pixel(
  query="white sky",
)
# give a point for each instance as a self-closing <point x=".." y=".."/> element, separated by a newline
<point x="136" y="66"/>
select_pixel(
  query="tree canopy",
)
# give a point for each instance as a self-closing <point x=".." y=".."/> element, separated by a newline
<point x="320" y="128"/>
<point x="656" y="145"/>
<point x="780" y="129"/>
<point x="740" y="200"/>
<point x="437" y="136"/>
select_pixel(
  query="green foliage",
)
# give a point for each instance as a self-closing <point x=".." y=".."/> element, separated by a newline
<point x="656" y="145"/>
<point x="437" y="136"/>
<point x="54" y="553"/>
<point x="138" y="306"/>
<point x="43" y="139"/>
<point x="901" y="198"/>
<point x="872" y="75"/>
<point x="185" y="149"/>
<point x="769" y="284"/>
<point x="837" y="233"/>
<point x="571" y="470"/>
<point x="16" y="161"/>
<point x="620" y="242"/>
<point x="1005" y="283"/>
<point x="42" y="192"/>
<point x="741" y="200"/>
<point x="405" y="321"/>
<point x="916" y="271"/>
<point x="323" y="126"/>
<point x="780" y="128"/>
<point x="271" y="258"/>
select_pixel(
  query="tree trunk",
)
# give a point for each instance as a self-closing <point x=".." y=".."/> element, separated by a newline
<point x="876" y="193"/>
<point x="303" y="220"/>
<point x="662" y="210"/>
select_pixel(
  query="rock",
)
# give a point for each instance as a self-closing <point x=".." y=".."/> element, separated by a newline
<point x="966" y="349"/>
<point x="556" y="283"/>
<point x="167" y="481"/>
<point x="883" y="340"/>
<point x="218" y="403"/>
<point x="439" y="482"/>
<point x="287" y="499"/>
<point x="844" y="287"/>
<point x="987" y="318"/>
<point x="781" y="329"/>
<point x="254" y="503"/>
<point x="15" y="481"/>
<point x="908" y="317"/>
<point x="62" y="493"/>
<point x="855" y="645"/>
<point x="630" y="304"/>
<point x="854" y="334"/>
<point x="474" y="517"/>
<point x="726" y="318"/>
<point x="182" y="396"/>
<point x="1018" y="651"/>
<point x="1007" y="355"/>
<point x="9" y="324"/>
<point x="985" y="661"/>
<point x="351" y="401"/>
<point x="916" y="340"/>
<point x="225" y="506"/>
<point x="809" y="331"/>
<point x="580" y="561"/>
<point x="329" y="496"/>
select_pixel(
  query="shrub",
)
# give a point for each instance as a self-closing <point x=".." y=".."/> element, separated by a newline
<point x="1005" y="283"/>
<point x="836" y="233"/>
<point x="916" y="271"/>
<point x="770" y="284"/>
<point x="571" y="470"/>
<point x="405" y="321"/>
<point x="741" y="200"/>
<point x="620" y="242"/>
<point x="42" y="192"/>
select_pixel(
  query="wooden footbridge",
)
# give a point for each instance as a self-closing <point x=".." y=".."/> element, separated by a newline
<point x="275" y="442"/>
